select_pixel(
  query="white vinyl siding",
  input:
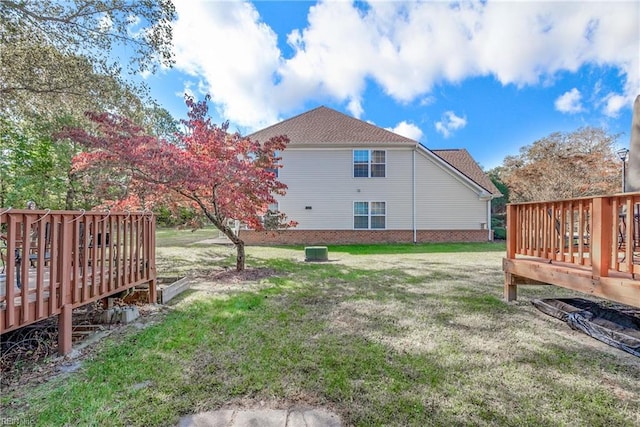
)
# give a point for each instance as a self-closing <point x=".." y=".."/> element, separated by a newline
<point x="322" y="189"/>
<point x="444" y="201"/>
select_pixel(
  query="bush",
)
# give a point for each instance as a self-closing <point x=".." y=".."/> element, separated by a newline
<point x="499" y="233"/>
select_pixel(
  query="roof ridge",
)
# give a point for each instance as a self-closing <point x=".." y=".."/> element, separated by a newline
<point x="330" y="123"/>
<point x="278" y="123"/>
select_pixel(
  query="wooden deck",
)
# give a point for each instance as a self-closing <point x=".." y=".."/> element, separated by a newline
<point x="591" y="245"/>
<point x="55" y="261"/>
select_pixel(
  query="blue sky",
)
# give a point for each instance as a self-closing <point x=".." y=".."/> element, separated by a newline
<point x="486" y="76"/>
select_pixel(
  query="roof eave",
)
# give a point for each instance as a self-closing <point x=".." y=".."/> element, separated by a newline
<point x="354" y="145"/>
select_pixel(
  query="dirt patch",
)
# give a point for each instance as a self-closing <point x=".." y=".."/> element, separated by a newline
<point x="225" y="282"/>
<point x="233" y="276"/>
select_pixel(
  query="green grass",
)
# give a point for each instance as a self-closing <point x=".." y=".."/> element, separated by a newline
<point x="383" y="339"/>
<point x="173" y="237"/>
<point x="420" y="248"/>
<point x="410" y="248"/>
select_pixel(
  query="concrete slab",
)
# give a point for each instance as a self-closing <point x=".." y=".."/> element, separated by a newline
<point x="314" y="418"/>
<point x="220" y="418"/>
<point x="166" y="292"/>
<point x="260" y="418"/>
<point x="294" y="417"/>
<point x="120" y="315"/>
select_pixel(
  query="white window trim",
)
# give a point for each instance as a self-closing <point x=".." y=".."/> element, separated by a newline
<point x="369" y="215"/>
<point x="369" y="162"/>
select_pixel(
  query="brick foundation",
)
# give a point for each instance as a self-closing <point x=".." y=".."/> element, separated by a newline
<point x="319" y="237"/>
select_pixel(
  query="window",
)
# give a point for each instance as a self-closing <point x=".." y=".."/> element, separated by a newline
<point x="369" y="215"/>
<point x="271" y="218"/>
<point x="378" y="163"/>
<point x="360" y="214"/>
<point x="369" y="163"/>
<point x="378" y="215"/>
<point x="276" y="154"/>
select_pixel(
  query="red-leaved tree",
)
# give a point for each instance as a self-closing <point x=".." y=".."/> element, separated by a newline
<point x="227" y="176"/>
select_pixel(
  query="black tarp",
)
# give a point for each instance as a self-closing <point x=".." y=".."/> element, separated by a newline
<point x="617" y="325"/>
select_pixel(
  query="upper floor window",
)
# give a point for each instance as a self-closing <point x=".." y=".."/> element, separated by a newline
<point x="275" y="170"/>
<point x="369" y="163"/>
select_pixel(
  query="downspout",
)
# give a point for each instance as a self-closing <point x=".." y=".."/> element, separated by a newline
<point x="489" y="220"/>
<point x="487" y="197"/>
<point x="413" y="193"/>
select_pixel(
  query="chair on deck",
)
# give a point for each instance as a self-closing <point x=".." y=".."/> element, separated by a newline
<point x="635" y="232"/>
<point x="570" y="237"/>
<point x="30" y="242"/>
<point x="4" y="258"/>
<point x="3" y="253"/>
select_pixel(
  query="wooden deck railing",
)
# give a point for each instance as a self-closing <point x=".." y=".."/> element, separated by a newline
<point x="589" y="244"/>
<point x="55" y="261"/>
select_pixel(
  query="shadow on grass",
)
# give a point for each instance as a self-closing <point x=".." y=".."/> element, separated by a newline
<point x="286" y="344"/>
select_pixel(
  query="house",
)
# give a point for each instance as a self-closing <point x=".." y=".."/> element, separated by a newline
<point x="352" y="182"/>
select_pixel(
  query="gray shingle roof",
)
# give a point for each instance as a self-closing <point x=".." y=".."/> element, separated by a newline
<point x="464" y="163"/>
<point x="323" y="125"/>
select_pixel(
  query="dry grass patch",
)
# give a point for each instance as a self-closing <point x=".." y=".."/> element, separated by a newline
<point x="381" y="339"/>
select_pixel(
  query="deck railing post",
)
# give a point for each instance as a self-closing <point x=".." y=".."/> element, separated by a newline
<point x="65" y="329"/>
<point x="601" y="238"/>
<point x="151" y="242"/>
<point x="510" y="287"/>
<point x="512" y="231"/>
<point x="65" y="320"/>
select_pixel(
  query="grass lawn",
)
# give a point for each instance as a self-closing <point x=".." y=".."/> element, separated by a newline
<point x="396" y="335"/>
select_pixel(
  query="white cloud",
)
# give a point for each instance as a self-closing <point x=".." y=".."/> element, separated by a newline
<point x="226" y="44"/>
<point x="188" y="91"/>
<point x="133" y="26"/>
<point x="105" y="23"/>
<point x="450" y="123"/>
<point x="355" y="108"/>
<point x="427" y="100"/>
<point x="570" y="102"/>
<point x="407" y="129"/>
<point x="406" y="48"/>
<point x="614" y="103"/>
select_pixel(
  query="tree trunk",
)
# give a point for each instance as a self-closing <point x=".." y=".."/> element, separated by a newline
<point x="228" y="231"/>
<point x="71" y="191"/>
<point x="240" y="255"/>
